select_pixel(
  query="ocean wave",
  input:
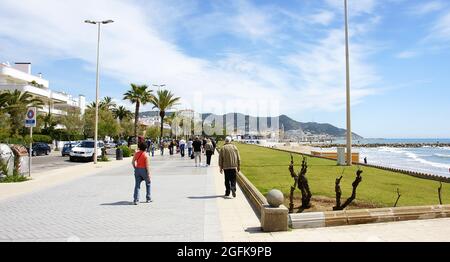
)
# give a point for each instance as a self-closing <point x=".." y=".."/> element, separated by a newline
<point x="442" y="155"/>
<point x="391" y="150"/>
<point x="426" y="162"/>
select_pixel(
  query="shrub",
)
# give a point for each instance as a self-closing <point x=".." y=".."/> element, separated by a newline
<point x="126" y="151"/>
<point x="14" y="179"/>
<point x="16" y="140"/>
<point x="40" y="138"/>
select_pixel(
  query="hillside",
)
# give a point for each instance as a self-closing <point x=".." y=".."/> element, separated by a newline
<point x="288" y="123"/>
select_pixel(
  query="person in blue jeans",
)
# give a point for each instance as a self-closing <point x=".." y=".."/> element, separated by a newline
<point x="141" y="165"/>
<point x="189" y="147"/>
<point x="152" y="145"/>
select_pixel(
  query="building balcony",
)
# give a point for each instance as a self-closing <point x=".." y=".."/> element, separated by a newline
<point x="16" y="76"/>
<point x="36" y="91"/>
<point x="53" y="111"/>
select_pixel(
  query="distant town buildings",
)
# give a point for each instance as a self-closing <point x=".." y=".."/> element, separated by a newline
<point x="19" y="77"/>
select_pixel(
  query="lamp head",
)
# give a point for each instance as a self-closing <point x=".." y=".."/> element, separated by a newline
<point x="107" y="22"/>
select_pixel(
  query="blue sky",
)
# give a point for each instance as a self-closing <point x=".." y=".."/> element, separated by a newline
<point x="257" y="57"/>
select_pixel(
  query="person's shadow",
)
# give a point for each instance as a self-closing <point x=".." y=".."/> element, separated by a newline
<point x="205" y="197"/>
<point x="120" y="203"/>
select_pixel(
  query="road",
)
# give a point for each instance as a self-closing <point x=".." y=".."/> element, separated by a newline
<point x="55" y="161"/>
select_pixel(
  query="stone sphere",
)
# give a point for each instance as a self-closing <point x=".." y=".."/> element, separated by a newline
<point x="275" y="198"/>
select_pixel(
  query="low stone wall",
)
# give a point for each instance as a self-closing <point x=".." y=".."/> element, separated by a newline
<point x="257" y="200"/>
<point x="402" y="171"/>
<point x="365" y="216"/>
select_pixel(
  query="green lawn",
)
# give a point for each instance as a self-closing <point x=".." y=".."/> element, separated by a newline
<point x="268" y="169"/>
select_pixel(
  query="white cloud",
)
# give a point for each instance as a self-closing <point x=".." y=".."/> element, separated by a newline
<point x="237" y="18"/>
<point x="427" y="7"/>
<point x="323" y="17"/>
<point x="441" y="28"/>
<point x="406" y="54"/>
<point x="358" y="7"/>
<point x="322" y="72"/>
<point x="134" y="49"/>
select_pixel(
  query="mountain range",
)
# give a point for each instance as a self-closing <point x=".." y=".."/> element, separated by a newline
<point x="290" y="125"/>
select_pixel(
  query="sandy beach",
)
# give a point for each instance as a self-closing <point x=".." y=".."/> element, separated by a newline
<point x="295" y="147"/>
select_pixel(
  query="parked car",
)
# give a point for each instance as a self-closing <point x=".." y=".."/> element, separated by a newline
<point x="67" y="148"/>
<point x="85" y="151"/>
<point x="39" y="149"/>
<point x="122" y="143"/>
<point x="110" y="144"/>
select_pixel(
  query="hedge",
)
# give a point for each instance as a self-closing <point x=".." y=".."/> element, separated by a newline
<point x="40" y="138"/>
<point x="126" y="151"/>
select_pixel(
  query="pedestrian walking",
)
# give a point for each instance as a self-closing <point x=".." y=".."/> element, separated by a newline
<point x="189" y="147"/>
<point x="149" y="142"/>
<point x="213" y="141"/>
<point x="204" y="141"/>
<point x="209" y="151"/>
<point x="161" y="146"/>
<point x="152" y="147"/>
<point x="230" y="163"/>
<point x="171" y="146"/>
<point x="141" y="165"/>
<point x="365" y="160"/>
<point x="197" y="146"/>
<point x="182" y="147"/>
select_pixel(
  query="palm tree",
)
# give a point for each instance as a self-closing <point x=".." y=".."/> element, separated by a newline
<point x="139" y="95"/>
<point x="121" y="113"/>
<point x="15" y="104"/>
<point x="92" y="105"/>
<point x="107" y="103"/>
<point x="164" y="101"/>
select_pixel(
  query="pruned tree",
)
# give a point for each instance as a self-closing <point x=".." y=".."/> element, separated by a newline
<point x="398" y="197"/>
<point x="295" y="177"/>
<point x="301" y="182"/>
<point x="439" y="193"/>
<point x="338" y="190"/>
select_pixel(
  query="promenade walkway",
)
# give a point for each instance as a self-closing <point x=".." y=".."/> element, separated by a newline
<point x="94" y="204"/>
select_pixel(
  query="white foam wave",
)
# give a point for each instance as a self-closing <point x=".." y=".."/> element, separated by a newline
<point x="442" y="155"/>
<point x="426" y="162"/>
<point x="392" y="150"/>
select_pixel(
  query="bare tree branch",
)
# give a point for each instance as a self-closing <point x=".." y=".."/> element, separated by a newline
<point x="355" y="185"/>
<point x="398" y="197"/>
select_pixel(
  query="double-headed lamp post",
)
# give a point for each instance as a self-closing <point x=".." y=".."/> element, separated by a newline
<point x="347" y="70"/>
<point x="98" y="23"/>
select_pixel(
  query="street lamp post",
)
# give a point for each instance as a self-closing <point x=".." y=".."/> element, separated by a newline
<point x="347" y="60"/>
<point x="98" y="23"/>
<point x="159" y="88"/>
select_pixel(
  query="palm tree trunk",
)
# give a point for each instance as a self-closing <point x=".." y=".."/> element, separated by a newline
<point x="136" y="119"/>
<point x="162" y="126"/>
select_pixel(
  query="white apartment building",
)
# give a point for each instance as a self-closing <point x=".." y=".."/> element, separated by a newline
<point x="19" y="77"/>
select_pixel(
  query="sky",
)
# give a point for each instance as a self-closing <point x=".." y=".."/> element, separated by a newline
<point x="257" y="57"/>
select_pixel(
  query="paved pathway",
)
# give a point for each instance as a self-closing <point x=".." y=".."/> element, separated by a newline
<point x="84" y="203"/>
<point x="97" y="207"/>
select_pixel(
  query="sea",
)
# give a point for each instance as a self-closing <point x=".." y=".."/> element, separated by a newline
<point x="426" y="159"/>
